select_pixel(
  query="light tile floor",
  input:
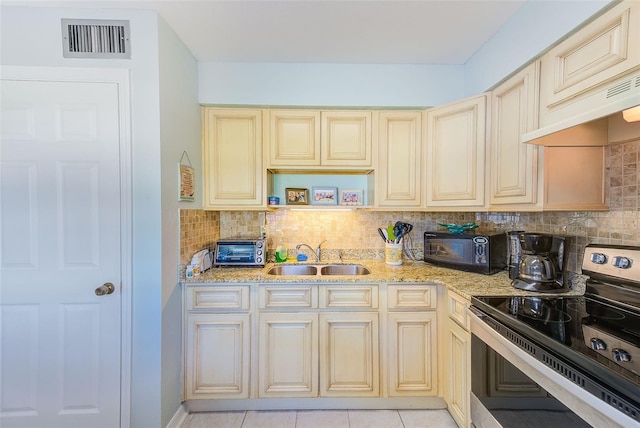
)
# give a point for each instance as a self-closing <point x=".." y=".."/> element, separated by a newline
<point x="322" y="419"/>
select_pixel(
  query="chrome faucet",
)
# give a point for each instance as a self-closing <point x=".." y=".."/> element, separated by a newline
<point x="317" y="250"/>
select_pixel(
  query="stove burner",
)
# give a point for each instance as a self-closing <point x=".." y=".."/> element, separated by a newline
<point x="538" y="309"/>
<point x="598" y="311"/>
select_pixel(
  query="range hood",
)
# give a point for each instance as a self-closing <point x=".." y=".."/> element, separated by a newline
<point x="585" y="119"/>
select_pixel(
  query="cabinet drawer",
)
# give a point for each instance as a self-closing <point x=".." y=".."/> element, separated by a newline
<point x="457" y="309"/>
<point x="411" y="296"/>
<point x="288" y="296"/>
<point x="235" y="297"/>
<point x="349" y="296"/>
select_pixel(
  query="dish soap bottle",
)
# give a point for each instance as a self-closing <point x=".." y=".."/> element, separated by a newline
<point x="281" y="250"/>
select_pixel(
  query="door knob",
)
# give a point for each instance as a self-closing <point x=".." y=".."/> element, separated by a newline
<point x="106" y="288"/>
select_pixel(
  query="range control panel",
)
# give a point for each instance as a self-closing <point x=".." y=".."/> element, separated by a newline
<point x="617" y="261"/>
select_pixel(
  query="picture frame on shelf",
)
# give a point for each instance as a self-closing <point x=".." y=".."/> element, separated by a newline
<point x="297" y="196"/>
<point x="324" y="195"/>
<point x="351" y="197"/>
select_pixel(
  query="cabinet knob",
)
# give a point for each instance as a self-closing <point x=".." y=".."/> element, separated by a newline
<point x="622" y="262"/>
<point x="597" y="344"/>
<point x="621" y="356"/>
<point x="598" y="258"/>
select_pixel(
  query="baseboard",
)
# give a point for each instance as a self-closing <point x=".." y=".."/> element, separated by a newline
<point x="316" y="403"/>
<point x="179" y="417"/>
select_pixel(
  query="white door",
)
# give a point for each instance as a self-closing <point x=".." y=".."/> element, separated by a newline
<point x="61" y="240"/>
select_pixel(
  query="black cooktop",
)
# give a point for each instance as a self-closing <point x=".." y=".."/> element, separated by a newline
<point x="567" y="326"/>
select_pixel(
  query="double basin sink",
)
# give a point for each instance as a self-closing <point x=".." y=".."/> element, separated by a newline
<point x="330" y="269"/>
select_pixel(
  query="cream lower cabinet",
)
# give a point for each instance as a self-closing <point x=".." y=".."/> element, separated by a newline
<point x="455" y="141"/>
<point x="288" y="340"/>
<point x="457" y="359"/>
<point x="217" y="346"/>
<point x="288" y="355"/>
<point x="349" y="340"/>
<point x="412" y="340"/>
<point x="217" y="356"/>
<point x="233" y="173"/>
<point x="324" y="345"/>
<point x="349" y="362"/>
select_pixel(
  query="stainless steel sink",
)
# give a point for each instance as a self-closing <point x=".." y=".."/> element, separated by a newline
<point x="335" y="269"/>
<point x="293" y="270"/>
<point x="346" y="269"/>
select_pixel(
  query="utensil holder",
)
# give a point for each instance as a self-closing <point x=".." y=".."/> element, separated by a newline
<point x="393" y="254"/>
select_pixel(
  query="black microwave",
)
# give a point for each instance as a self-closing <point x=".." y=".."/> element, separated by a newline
<point x="486" y="254"/>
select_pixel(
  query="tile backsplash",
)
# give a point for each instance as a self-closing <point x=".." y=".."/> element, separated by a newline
<point x="355" y="232"/>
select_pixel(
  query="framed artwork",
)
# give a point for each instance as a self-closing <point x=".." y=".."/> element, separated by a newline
<point x="186" y="180"/>
<point x="324" y="196"/>
<point x="297" y="196"/>
<point x="351" y="197"/>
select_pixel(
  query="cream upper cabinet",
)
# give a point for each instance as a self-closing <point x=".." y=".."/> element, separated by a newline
<point x="294" y="138"/>
<point x="455" y="154"/>
<point x="398" y="181"/>
<point x="603" y="50"/>
<point x="310" y="138"/>
<point x="232" y="159"/>
<point x="514" y="165"/>
<point x="530" y="177"/>
<point x="346" y="138"/>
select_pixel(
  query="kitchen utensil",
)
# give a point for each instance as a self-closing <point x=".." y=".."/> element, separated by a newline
<point x="390" y="235"/>
<point x="397" y="231"/>
<point x="381" y="233"/>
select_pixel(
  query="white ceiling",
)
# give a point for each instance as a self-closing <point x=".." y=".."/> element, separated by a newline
<point x="324" y="31"/>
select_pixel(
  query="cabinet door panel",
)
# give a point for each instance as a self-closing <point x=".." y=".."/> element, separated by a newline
<point x="217" y="356"/>
<point x="514" y="166"/>
<point x="456" y="154"/>
<point x="232" y="152"/>
<point x="346" y="138"/>
<point x="601" y="51"/>
<point x="398" y="177"/>
<point x="288" y="355"/>
<point x="349" y="362"/>
<point x="412" y="354"/>
<point x="458" y="367"/>
<point x="294" y="138"/>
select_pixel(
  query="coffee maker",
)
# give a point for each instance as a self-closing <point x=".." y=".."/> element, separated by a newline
<point x="541" y="263"/>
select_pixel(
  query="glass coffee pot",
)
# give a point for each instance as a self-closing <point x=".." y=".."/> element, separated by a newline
<point x="537" y="268"/>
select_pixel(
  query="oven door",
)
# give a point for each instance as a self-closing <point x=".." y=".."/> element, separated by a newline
<point x="510" y="388"/>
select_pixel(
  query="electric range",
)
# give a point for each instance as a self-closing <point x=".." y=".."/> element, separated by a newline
<point x="592" y="340"/>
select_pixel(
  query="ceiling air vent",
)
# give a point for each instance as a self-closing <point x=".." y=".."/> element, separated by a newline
<point x="95" y="38"/>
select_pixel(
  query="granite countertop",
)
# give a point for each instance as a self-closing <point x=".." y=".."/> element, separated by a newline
<point x="464" y="283"/>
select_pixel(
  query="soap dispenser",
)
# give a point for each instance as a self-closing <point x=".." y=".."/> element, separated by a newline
<point x="281" y="250"/>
